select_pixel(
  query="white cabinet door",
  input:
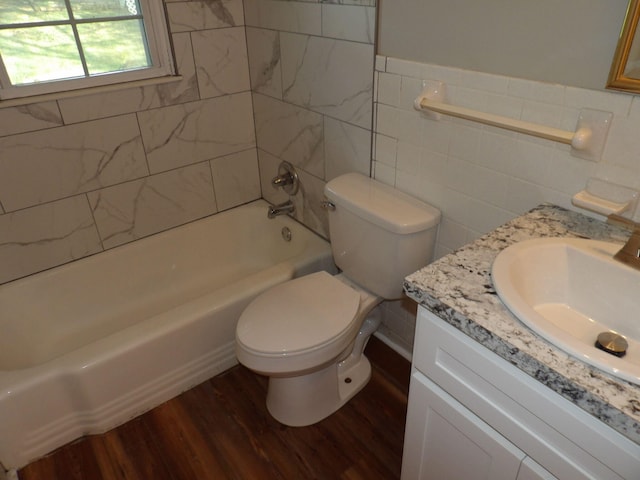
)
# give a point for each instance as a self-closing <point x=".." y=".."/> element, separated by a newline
<point x="444" y="440"/>
<point x="530" y="470"/>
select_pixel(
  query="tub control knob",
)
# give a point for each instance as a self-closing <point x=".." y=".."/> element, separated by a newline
<point x="287" y="179"/>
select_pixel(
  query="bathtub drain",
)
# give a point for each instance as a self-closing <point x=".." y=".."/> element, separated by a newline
<point x="286" y="234"/>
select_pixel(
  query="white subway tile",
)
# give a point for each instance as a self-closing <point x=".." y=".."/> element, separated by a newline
<point x="436" y="135"/>
<point x="523" y="196"/>
<point x="386" y="120"/>
<point x="386" y="150"/>
<point x="381" y="63"/>
<point x="617" y="103"/>
<point x="448" y="75"/>
<point x="504" y="105"/>
<point x="484" y="217"/>
<point x="410" y="126"/>
<point x="464" y="141"/>
<point x="404" y="67"/>
<point x="433" y="166"/>
<point x="388" y="89"/>
<point x="410" y="89"/>
<point x="408" y="158"/>
<point x="481" y="175"/>
<point x="451" y="235"/>
<point x="384" y="173"/>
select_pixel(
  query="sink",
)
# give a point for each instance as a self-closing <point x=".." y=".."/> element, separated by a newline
<point x="569" y="291"/>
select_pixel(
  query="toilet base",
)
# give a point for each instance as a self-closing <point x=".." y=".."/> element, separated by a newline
<point x="303" y="400"/>
<point x="306" y="399"/>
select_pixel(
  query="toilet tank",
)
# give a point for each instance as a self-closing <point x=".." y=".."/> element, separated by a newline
<point x="379" y="235"/>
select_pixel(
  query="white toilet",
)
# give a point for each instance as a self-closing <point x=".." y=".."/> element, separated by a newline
<point x="308" y="334"/>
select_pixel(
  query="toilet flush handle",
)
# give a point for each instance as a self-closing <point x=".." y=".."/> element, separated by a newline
<point x="327" y="205"/>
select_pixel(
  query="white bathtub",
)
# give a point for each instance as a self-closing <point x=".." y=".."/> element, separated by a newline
<point x="86" y="346"/>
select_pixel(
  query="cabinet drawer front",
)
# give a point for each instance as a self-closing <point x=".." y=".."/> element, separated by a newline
<point x="569" y="442"/>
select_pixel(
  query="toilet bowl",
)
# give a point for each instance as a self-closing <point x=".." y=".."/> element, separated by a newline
<point x="309" y="343"/>
<point x="308" y="334"/>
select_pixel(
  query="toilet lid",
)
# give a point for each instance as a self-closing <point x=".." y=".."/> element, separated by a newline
<point x="298" y="315"/>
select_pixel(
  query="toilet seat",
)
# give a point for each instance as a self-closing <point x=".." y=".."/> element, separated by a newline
<point x="298" y="316"/>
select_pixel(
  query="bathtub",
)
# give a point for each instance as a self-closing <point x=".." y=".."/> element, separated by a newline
<point x="89" y="345"/>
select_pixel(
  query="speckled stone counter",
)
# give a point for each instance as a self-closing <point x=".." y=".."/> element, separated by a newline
<point x="458" y="289"/>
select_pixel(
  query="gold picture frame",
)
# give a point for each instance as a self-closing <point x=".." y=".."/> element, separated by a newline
<point x="625" y="69"/>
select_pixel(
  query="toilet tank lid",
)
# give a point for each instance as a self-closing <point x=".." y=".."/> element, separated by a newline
<point x="381" y="204"/>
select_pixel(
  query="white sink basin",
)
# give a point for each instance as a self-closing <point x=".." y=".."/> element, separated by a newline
<point x="571" y="290"/>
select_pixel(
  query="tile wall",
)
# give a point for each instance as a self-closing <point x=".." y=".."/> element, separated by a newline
<point x="311" y="67"/>
<point x="84" y="174"/>
<point x="481" y="176"/>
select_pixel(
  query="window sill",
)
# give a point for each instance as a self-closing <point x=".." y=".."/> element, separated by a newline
<point x="17" y="102"/>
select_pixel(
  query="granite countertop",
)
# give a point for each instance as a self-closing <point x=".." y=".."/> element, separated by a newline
<point x="458" y="288"/>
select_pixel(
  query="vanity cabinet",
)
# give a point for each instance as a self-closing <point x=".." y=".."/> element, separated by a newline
<point x="472" y="415"/>
<point x="449" y="441"/>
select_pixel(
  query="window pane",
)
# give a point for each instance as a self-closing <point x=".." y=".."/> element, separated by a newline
<point x="114" y="46"/>
<point x="28" y="11"/>
<point x="40" y="54"/>
<point x="105" y="8"/>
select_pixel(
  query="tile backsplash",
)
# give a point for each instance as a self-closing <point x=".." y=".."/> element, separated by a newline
<point x="87" y="173"/>
<point x="481" y="176"/>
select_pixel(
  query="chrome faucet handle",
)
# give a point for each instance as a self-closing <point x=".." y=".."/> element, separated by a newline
<point x="287" y="179"/>
<point x="282" y="180"/>
<point x="281" y="209"/>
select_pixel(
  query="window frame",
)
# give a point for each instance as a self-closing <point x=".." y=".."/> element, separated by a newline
<point x="156" y="30"/>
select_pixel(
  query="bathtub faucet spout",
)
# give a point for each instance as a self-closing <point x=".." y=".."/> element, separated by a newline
<point x="281" y="209"/>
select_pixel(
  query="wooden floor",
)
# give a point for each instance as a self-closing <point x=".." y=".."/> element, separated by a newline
<point x="221" y="430"/>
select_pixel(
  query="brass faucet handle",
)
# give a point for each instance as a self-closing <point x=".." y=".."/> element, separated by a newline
<point x="630" y="253"/>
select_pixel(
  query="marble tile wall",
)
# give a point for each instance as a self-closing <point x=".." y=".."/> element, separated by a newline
<point x="84" y="174"/>
<point x="480" y="176"/>
<point x="311" y="67"/>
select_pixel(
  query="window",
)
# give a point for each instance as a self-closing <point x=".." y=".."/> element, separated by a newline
<point x="57" y="45"/>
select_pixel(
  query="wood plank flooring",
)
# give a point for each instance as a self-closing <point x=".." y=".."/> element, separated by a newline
<point x="221" y="430"/>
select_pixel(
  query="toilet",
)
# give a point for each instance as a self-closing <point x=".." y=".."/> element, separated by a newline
<point x="308" y="334"/>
